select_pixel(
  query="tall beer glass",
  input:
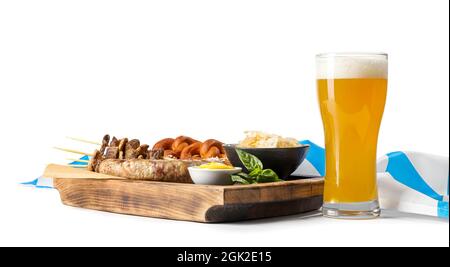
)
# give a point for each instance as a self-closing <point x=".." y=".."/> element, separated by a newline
<point x="352" y="91"/>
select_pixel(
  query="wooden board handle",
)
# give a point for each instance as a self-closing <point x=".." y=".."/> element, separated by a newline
<point x="65" y="172"/>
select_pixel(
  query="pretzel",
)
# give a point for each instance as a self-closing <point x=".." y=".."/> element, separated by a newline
<point x="184" y="147"/>
<point x="212" y="149"/>
<point x="181" y="143"/>
<point x="165" y="144"/>
<point x="170" y="154"/>
<point x="192" y="151"/>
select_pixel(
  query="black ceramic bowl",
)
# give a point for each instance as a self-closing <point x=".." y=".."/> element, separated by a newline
<point x="283" y="161"/>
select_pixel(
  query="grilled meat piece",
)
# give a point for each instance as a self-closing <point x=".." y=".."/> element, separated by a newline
<point x="142" y="151"/>
<point x="133" y="152"/>
<point x="112" y="153"/>
<point x="105" y="142"/>
<point x="155" y="154"/>
<point x="130" y="152"/>
<point x="122" y="147"/>
<point x="96" y="158"/>
<point x="114" y="142"/>
<point x="134" y="143"/>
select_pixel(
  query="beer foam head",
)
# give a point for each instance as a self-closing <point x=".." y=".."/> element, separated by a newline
<point x="352" y="66"/>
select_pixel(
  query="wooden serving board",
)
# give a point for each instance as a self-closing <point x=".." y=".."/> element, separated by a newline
<point x="187" y="202"/>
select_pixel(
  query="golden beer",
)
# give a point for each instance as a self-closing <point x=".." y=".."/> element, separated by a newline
<point x="352" y="92"/>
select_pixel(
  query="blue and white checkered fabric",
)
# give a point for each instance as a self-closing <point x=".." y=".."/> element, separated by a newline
<point x="414" y="182"/>
<point x="408" y="181"/>
<point x="45" y="182"/>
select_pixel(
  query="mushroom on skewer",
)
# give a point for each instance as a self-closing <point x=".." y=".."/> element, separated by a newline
<point x="133" y="160"/>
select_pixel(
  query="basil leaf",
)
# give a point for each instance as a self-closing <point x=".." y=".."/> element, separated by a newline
<point x="268" y="176"/>
<point x="250" y="162"/>
<point x="268" y="173"/>
<point x="243" y="175"/>
<point x="262" y="179"/>
<point x="255" y="173"/>
<point x="238" y="179"/>
<point x="247" y="177"/>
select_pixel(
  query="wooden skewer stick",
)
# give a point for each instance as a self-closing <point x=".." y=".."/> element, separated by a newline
<point x="77" y="166"/>
<point x="83" y="140"/>
<point x="74" y="151"/>
<point x="79" y="160"/>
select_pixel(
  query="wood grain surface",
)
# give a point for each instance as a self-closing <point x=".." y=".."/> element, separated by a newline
<point x="188" y="202"/>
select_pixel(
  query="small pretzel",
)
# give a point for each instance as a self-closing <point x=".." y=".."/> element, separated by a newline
<point x="181" y="143"/>
<point x="212" y="149"/>
<point x="165" y="144"/>
<point x="191" y="152"/>
<point x="170" y="154"/>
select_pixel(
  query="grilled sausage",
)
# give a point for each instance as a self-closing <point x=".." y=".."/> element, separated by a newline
<point x="143" y="169"/>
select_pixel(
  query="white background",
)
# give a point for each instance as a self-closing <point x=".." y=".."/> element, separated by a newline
<point x="208" y="69"/>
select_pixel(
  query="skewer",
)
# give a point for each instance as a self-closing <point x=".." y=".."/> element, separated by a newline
<point x="73" y="151"/>
<point x="83" y="140"/>
<point x="79" y="160"/>
<point x="77" y="166"/>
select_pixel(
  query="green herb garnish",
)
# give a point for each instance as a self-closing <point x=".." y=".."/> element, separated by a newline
<point x="250" y="162"/>
<point x="257" y="172"/>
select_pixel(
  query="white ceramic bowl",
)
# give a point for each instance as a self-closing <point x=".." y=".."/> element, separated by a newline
<point x="212" y="176"/>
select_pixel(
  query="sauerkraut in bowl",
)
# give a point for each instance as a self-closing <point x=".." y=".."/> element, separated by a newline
<point x="257" y="139"/>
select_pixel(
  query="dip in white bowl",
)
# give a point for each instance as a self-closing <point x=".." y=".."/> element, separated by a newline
<point x="213" y="174"/>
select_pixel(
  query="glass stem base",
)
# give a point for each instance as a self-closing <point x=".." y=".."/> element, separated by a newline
<point x="355" y="211"/>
